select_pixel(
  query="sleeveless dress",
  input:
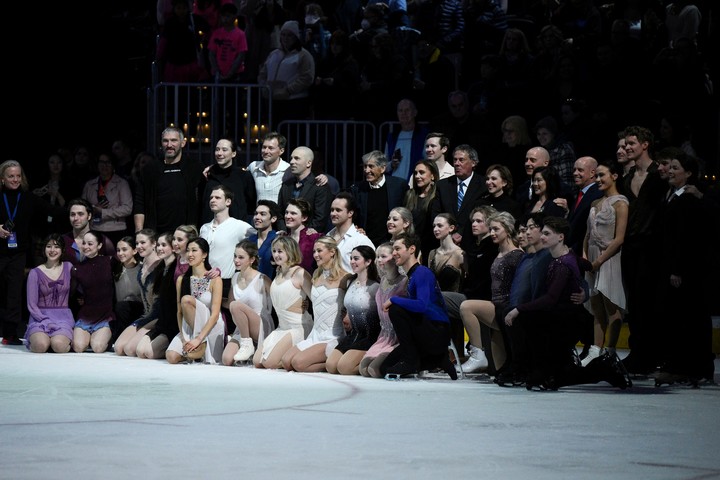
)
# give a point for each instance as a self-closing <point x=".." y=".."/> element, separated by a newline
<point x="327" y="324"/>
<point x="47" y="302"/>
<point x="601" y="230"/>
<point x="387" y="339"/>
<point x="364" y="318"/>
<point x="200" y="289"/>
<point x="253" y="295"/>
<point x="283" y="295"/>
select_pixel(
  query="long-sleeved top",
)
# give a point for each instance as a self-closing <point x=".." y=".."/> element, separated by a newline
<point x="423" y="295"/>
<point x="120" y="203"/>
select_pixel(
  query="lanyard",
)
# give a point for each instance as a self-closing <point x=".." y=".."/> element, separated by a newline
<point x="7" y="207"/>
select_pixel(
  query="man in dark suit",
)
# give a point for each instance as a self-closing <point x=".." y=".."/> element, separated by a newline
<point x="379" y="193"/>
<point x="460" y="193"/>
<point x="587" y="192"/>
<point x="303" y="185"/>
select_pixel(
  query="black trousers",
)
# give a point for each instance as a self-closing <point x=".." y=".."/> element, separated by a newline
<point x="422" y="343"/>
<point x="12" y="269"/>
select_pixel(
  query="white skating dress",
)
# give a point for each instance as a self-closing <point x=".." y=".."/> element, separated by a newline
<point x="327" y="324"/>
<point x="253" y="295"/>
<point x="199" y="288"/>
<point x="284" y="295"/>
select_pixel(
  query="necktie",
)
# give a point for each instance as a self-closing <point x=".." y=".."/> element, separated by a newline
<point x="461" y="194"/>
<point x="579" y="199"/>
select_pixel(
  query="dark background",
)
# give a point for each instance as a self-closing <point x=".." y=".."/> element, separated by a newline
<point x="77" y="73"/>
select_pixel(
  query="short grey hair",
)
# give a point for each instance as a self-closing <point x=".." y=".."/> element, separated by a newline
<point x="376" y="155"/>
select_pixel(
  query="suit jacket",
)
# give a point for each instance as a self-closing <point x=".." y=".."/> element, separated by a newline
<point x="395" y="187"/>
<point x="446" y="201"/>
<point x="318" y="196"/>
<point x="578" y="217"/>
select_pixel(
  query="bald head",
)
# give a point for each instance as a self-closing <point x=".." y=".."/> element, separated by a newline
<point x="534" y="158"/>
<point x="584" y="171"/>
<point x="301" y="162"/>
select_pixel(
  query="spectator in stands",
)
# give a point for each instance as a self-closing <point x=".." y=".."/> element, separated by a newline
<point x="263" y="19"/>
<point x="516" y="70"/>
<point x="385" y="79"/>
<point x="210" y="11"/>
<point x="460" y="124"/>
<point x="562" y="154"/>
<point x="404" y="146"/>
<point x="180" y="52"/>
<point x="303" y="185"/>
<point x="168" y="196"/>
<point x="56" y="188"/>
<point x="376" y="196"/>
<point x="373" y="23"/>
<point x="289" y="71"/>
<point x="682" y="20"/>
<point x="226" y="172"/>
<point x="111" y="200"/>
<point x="337" y="80"/>
<point x="227" y="47"/>
<point x="434" y="76"/>
<point x="142" y="159"/>
<point x="316" y="37"/>
<point x="123" y="156"/>
<point x="82" y="167"/>
<point x="515" y="143"/>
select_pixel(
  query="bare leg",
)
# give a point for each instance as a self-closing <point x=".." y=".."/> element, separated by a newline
<point x="311" y="359"/>
<point x="231" y="349"/>
<point x="287" y="358"/>
<point x="152" y="349"/>
<point x="187" y="304"/>
<point x="123" y="339"/>
<point x="81" y="340"/>
<point x="246" y="320"/>
<point x="100" y="339"/>
<point x="473" y="312"/>
<point x="614" y="316"/>
<point x="39" y="342"/>
<point x="274" y="360"/>
<point x="350" y="362"/>
<point x="131" y="346"/>
<point x="331" y="365"/>
<point x="60" y="344"/>
<point x="597" y="305"/>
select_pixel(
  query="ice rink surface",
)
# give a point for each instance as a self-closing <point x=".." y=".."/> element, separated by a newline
<point x="99" y="416"/>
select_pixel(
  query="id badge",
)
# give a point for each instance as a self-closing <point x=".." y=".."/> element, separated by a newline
<point x="12" y="240"/>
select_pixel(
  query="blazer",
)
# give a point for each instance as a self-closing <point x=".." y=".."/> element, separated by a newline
<point x="578" y="217"/>
<point x="446" y="201"/>
<point x="318" y="196"/>
<point x="395" y="188"/>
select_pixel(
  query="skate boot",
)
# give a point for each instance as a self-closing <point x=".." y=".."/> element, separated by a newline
<point x="247" y="349"/>
<point x="476" y="362"/>
<point x="593" y="352"/>
<point x="402" y="369"/>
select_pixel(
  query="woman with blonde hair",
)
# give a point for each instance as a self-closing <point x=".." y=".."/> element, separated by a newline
<point x="477" y="312"/>
<point x="329" y="284"/>
<point x="289" y="291"/>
